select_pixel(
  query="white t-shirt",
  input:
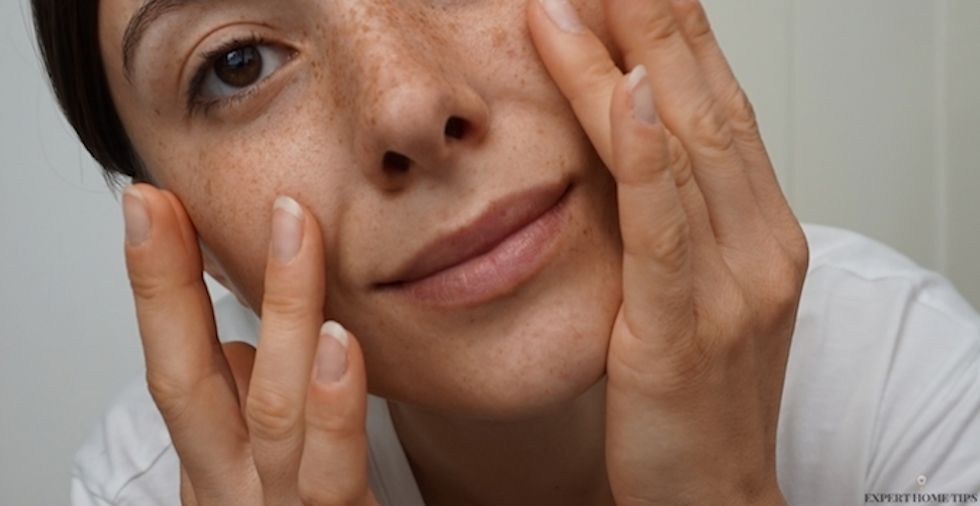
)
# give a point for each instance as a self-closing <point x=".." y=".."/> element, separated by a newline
<point x="882" y="396"/>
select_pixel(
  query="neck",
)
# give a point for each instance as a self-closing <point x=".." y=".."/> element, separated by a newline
<point x="553" y="459"/>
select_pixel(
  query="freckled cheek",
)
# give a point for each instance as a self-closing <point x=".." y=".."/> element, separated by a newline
<point x="226" y="200"/>
<point x="233" y="179"/>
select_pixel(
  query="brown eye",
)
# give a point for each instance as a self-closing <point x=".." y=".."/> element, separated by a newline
<point x="239" y="67"/>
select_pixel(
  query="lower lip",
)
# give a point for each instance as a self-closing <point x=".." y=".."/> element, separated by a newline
<point x="497" y="272"/>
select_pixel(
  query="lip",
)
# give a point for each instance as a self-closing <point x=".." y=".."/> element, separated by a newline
<point x="491" y="255"/>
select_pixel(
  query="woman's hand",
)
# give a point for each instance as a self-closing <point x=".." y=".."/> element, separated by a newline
<point x="281" y="425"/>
<point x="714" y="259"/>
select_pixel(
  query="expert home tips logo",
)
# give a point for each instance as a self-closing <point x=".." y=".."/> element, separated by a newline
<point x="921" y="497"/>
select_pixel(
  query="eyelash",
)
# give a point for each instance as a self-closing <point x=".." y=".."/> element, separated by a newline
<point x="194" y="101"/>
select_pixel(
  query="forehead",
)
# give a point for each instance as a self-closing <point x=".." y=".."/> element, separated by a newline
<point x="113" y="17"/>
<point x="122" y="21"/>
<point x="118" y="16"/>
<point x="167" y="29"/>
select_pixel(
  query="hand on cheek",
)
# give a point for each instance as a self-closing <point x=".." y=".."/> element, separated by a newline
<point x="283" y="424"/>
<point x="714" y="259"/>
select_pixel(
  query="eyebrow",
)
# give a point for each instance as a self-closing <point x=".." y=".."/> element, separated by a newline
<point x="148" y="13"/>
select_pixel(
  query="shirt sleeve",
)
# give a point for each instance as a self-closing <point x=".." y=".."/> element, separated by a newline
<point x="82" y="496"/>
<point x="882" y="390"/>
<point x="128" y="459"/>
<point x="926" y="432"/>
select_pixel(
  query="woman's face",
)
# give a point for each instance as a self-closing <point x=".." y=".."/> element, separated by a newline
<point x="397" y="124"/>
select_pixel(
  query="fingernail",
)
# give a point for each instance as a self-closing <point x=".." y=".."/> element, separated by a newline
<point x="287" y="228"/>
<point x="331" y="354"/>
<point x="641" y="94"/>
<point x="135" y="216"/>
<point x="563" y="15"/>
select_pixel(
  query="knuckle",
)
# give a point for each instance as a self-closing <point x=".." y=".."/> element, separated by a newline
<point x="271" y="415"/>
<point x="779" y="296"/>
<point x="736" y="323"/>
<point x="800" y="252"/>
<point x="669" y="372"/>
<point x="146" y="287"/>
<point x="792" y="259"/>
<point x="709" y="126"/>
<point x="671" y="246"/>
<point x="287" y="305"/>
<point x="793" y="290"/>
<point x="785" y="306"/>
<point x="166" y="388"/>
<point x="786" y="293"/>
<point x="660" y="25"/>
<point x="742" y="314"/>
<point x="697" y="27"/>
<point x="668" y="247"/>
<point x="171" y="394"/>
<point x="687" y="369"/>
<point x="151" y="287"/>
<point x="785" y="271"/>
<point x="741" y="112"/>
<point x="680" y="163"/>
<point x="339" y="426"/>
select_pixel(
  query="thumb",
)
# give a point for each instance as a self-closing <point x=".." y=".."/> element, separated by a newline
<point x="334" y="465"/>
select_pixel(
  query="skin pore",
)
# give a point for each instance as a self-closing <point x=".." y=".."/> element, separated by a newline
<point x="496" y="403"/>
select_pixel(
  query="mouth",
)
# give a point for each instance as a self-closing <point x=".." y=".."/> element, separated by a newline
<point x="492" y="255"/>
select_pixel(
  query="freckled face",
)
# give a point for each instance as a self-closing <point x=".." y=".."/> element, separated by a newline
<point x="395" y="123"/>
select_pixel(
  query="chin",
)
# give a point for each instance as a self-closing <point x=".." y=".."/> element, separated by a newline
<point x="518" y="358"/>
<point x="539" y="367"/>
<point x="512" y="370"/>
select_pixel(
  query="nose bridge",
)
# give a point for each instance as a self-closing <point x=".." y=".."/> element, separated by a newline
<point x="409" y="110"/>
<point x="394" y="37"/>
<point x="404" y="86"/>
<point x="414" y="112"/>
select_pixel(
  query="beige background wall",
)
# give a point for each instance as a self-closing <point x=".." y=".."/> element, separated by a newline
<point x="960" y="255"/>
<point x="871" y="110"/>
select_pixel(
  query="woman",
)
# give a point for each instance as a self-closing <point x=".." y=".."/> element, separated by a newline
<point x="563" y="266"/>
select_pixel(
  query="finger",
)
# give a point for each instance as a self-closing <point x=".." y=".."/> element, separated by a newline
<point x="333" y="469"/>
<point x="696" y="28"/>
<point x="186" y="371"/>
<point x="649" y="34"/>
<point x="292" y="312"/>
<point x="706" y="257"/>
<point x="579" y="64"/>
<point x="657" y="281"/>
<point x="691" y="197"/>
<point x="240" y="357"/>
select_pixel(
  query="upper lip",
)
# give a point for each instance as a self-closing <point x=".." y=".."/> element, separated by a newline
<point x="498" y="221"/>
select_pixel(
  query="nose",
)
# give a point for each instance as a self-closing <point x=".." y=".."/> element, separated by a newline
<point x="417" y="116"/>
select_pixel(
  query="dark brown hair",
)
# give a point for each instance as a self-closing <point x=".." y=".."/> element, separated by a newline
<point x="68" y="39"/>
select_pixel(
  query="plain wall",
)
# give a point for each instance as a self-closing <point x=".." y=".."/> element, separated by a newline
<point x="870" y="110"/>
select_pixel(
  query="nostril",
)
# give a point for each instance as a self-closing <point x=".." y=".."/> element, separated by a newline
<point x="456" y="127"/>
<point x="395" y="163"/>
